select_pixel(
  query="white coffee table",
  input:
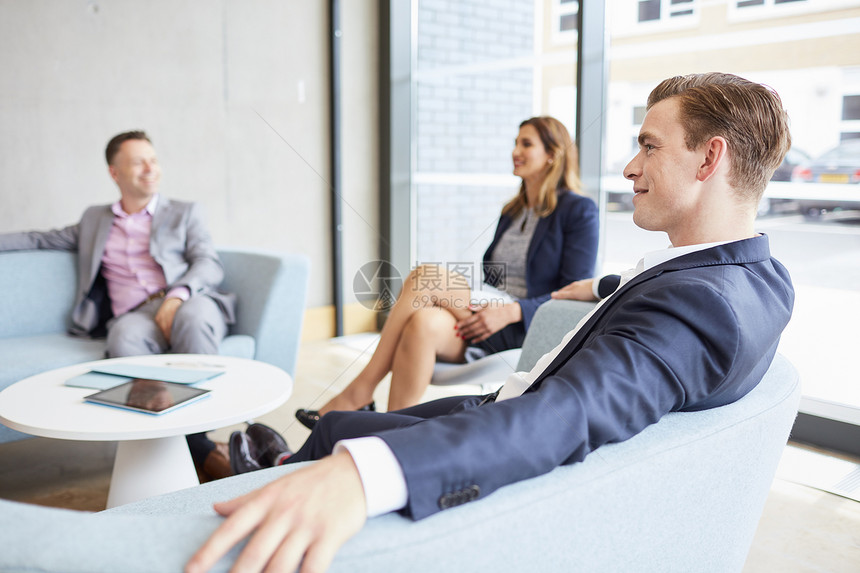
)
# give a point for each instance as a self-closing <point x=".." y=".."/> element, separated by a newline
<point x="152" y="456"/>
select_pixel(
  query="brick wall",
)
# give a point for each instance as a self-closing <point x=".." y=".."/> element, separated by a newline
<point x="467" y="119"/>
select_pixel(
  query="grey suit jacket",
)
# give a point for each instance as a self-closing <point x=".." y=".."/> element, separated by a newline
<point x="179" y="242"/>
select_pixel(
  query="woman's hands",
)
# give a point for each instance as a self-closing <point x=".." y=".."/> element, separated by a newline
<point x="486" y="321"/>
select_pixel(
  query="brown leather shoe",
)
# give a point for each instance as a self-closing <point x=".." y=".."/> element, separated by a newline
<point x="217" y="463"/>
<point x="270" y="444"/>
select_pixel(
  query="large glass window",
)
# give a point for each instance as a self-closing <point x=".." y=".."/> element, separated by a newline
<point x="810" y="53"/>
<point x="650" y="10"/>
<point x="566" y="16"/>
<point x="480" y="70"/>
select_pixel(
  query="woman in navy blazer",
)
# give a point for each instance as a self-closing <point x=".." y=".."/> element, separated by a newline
<point x="439" y="319"/>
<point x="564" y="246"/>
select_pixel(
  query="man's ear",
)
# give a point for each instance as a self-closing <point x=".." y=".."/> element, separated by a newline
<point x="714" y="156"/>
<point x="113" y="174"/>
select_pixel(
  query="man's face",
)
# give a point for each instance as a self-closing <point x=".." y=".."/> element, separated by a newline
<point x="135" y="169"/>
<point x="664" y="174"/>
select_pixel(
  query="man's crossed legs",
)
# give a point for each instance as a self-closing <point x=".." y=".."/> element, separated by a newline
<point x="262" y="447"/>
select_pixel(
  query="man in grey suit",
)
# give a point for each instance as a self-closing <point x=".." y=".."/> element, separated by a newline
<point x="147" y="272"/>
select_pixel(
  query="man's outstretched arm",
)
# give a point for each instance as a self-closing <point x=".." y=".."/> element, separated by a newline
<point x="303" y="517"/>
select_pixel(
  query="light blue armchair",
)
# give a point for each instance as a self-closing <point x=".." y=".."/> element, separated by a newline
<point x="490" y="371"/>
<point x="684" y="495"/>
<point x="38" y="294"/>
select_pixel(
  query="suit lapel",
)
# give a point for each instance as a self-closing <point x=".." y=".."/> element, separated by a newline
<point x="162" y="210"/>
<point x="751" y="250"/>
<point x="490" y="277"/>
<point x="99" y="243"/>
<point x="504" y="223"/>
<point x="594" y="319"/>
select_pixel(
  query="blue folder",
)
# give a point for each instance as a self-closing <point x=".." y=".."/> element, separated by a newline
<point x="110" y="375"/>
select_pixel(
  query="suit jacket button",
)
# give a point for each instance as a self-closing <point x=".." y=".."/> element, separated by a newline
<point x="445" y="501"/>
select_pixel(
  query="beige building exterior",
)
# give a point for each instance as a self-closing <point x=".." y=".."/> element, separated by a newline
<point x="809" y="50"/>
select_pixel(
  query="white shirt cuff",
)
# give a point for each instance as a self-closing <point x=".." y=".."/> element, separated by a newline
<point x="381" y="475"/>
<point x="595" y="286"/>
<point x="183" y="293"/>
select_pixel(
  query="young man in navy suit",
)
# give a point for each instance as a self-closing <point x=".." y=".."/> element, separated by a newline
<point x="692" y="327"/>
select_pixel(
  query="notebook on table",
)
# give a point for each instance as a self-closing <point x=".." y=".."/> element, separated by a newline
<point x="110" y="375"/>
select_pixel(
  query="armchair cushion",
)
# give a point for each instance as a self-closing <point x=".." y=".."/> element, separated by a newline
<point x="685" y="494"/>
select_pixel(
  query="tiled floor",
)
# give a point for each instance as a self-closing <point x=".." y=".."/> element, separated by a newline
<point x="803" y="529"/>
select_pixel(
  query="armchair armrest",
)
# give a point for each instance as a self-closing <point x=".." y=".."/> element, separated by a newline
<point x="271" y="289"/>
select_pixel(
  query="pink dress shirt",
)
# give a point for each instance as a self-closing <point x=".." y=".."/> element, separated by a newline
<point x="129" y="269"/>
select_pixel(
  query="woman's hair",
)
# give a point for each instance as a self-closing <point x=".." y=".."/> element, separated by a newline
<point x="563" y="172"/>
<point x="748" y="115"/>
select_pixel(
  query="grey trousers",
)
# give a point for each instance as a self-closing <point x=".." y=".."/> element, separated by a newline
<point x="198" y="328"/>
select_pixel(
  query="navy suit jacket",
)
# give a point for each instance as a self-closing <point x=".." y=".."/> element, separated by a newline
<point x="563" y="249"/>
<point x="695" y="332"/>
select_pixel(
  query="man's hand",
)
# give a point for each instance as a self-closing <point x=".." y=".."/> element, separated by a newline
<point x="487" y="321"/>
<point x="165" y="314"/>
<point x="577" y="290"/>
<point x="307" y="514"/>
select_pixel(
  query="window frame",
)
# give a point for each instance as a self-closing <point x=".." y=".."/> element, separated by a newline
<point x="629" y="25"/>
<point x="830" y="426"/>
<point x="772" y="9"/>
<point x="561" y="9"/>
